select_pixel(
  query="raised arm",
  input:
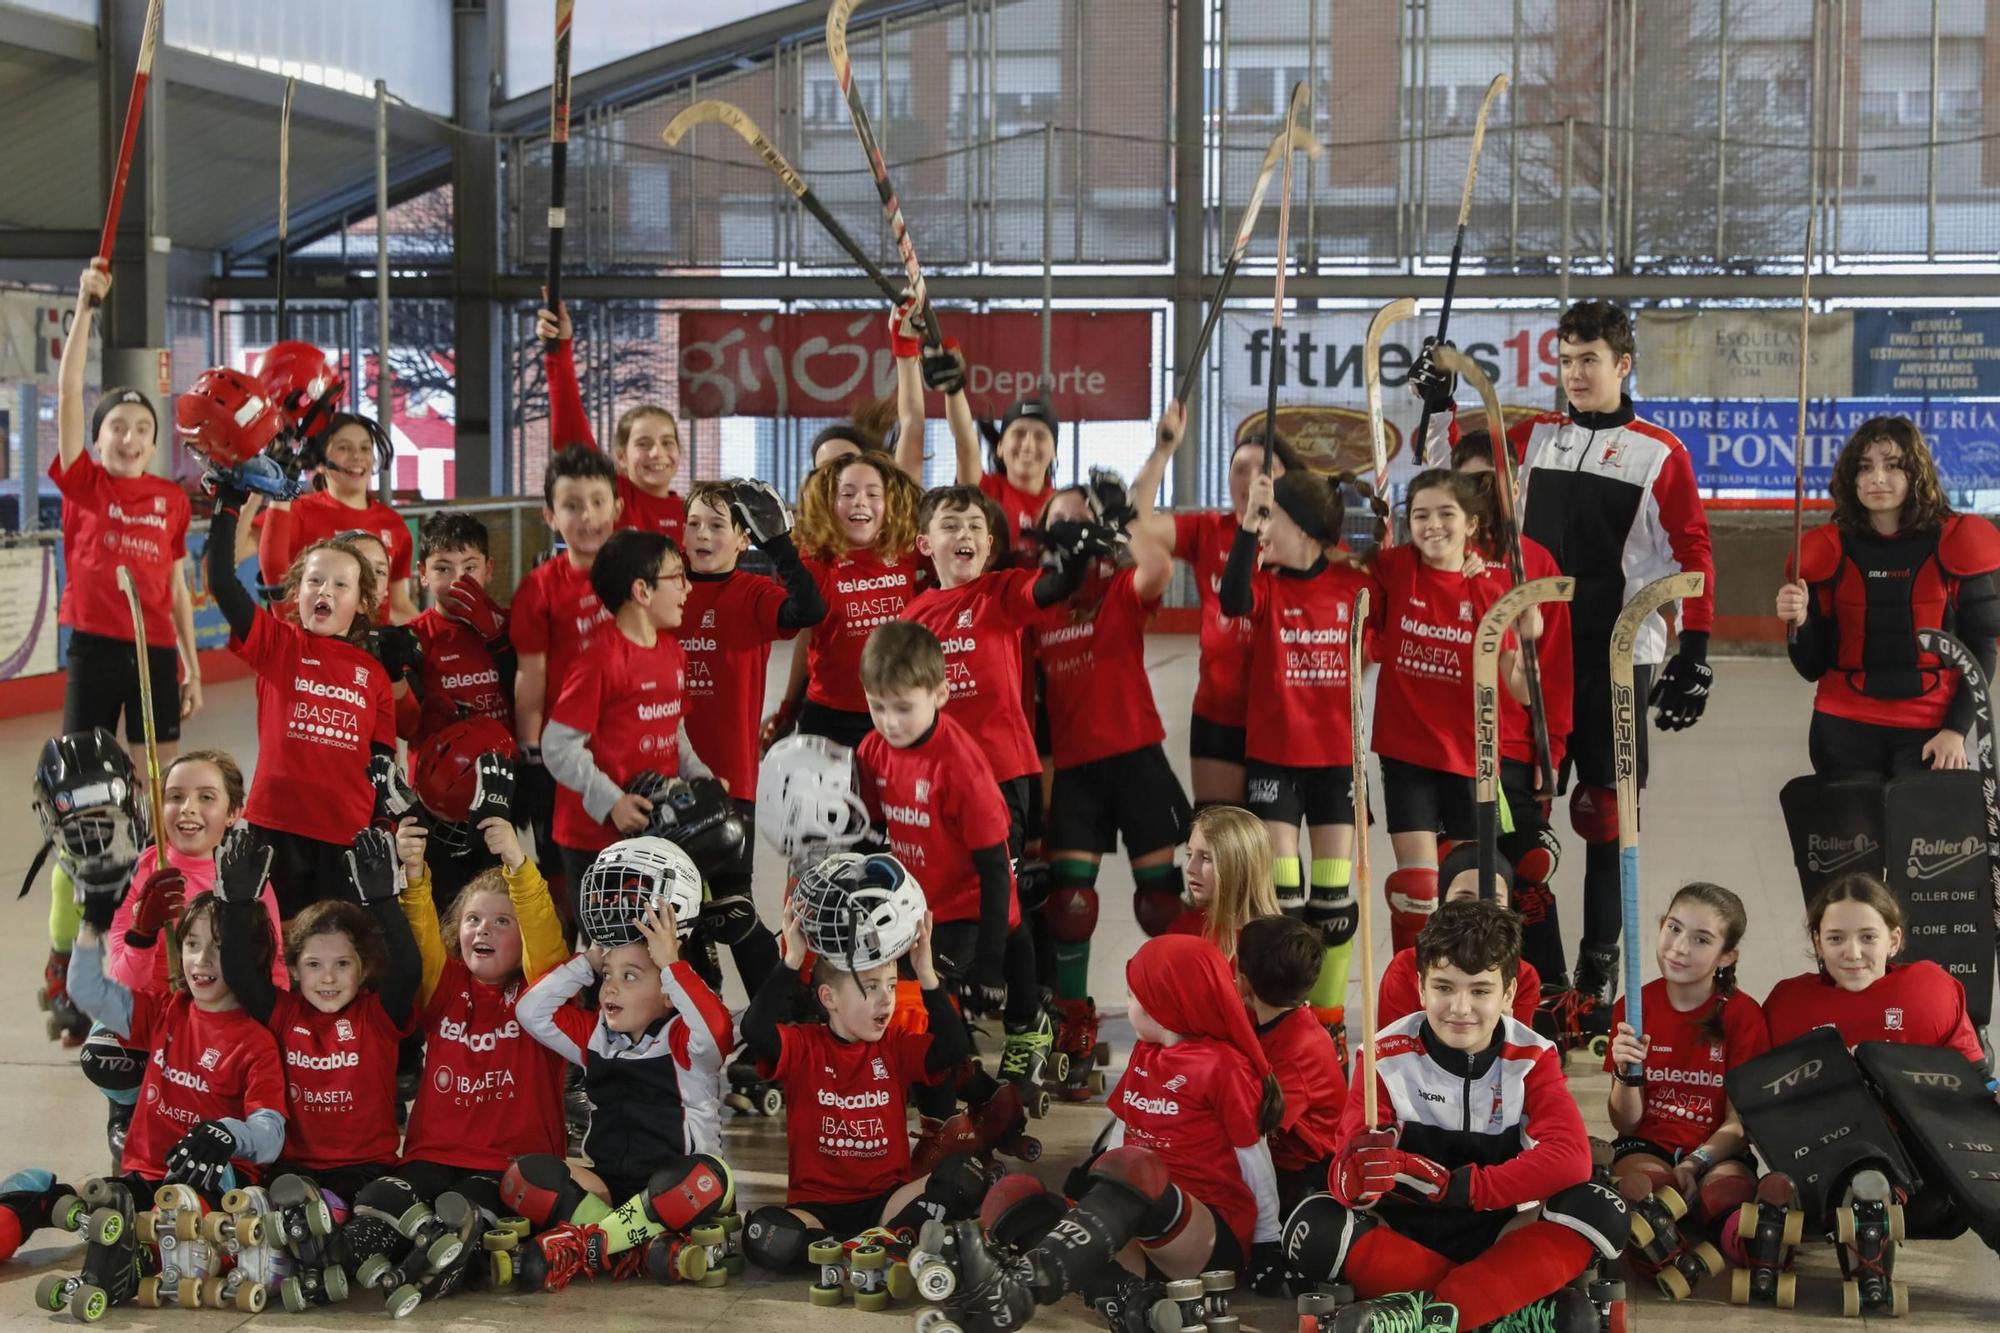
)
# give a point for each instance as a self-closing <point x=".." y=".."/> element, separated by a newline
<point x="94" y="285"/>
<point x="1155" y="525"/>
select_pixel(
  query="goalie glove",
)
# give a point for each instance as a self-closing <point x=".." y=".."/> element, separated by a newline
<point x="1110" y="504"/>
<point x="371" y="866"/>
<point x="1432" y="383"/>
<point x="202" y="1157"/>
<point x="493" y="789"/>
<point x="396" y="648"/>
<point x="393" y="796"/>
<point x="241" y="867"/>
<point x="760" y="509"/>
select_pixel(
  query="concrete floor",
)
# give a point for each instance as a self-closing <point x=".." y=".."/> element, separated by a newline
<point x="1712" y="814"/>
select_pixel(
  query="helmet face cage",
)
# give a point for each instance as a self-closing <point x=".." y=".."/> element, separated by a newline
<point x="87" y="798"/>
<point x="628" y="877"/>
<point x="453" y="839"/>
<point x="806" y="793"/>
<point x="859" y="911"/>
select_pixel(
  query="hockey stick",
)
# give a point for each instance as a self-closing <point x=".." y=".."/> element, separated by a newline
<point x="843" y="70"/>
<point x="1486" y="709"/>
<point x="1301" y="101"/>
<point x="725" y="113"/>
<point x="1363" y="899"/>
<point x="149" y="41"/>
<point x="1303" y="141"/>
<point x="1953" y="651"/>
<point x="1625" y="722"/>
<point x="284" y="192"/>
<point x="1371" y="374"/>
<point x="1510" y="538"/>
<point x="1493" y="90"/>
<point x="158" y="807"/>
<point x="1799" y="443"/>
<point x="558" y="156"/>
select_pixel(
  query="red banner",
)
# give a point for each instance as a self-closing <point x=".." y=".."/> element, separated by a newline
<point x="751" y="363"/>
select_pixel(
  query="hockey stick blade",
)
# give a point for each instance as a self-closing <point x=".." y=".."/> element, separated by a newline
<point x="1486" y="644"/>
<point x="1371" y="371"/>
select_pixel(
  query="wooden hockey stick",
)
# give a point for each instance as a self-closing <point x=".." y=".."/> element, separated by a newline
<point x="1486" y="709"/>
<point x="559" y="88"/>
<point x="1625" y="723"/>
<point x="149" y="42"/>
<point x="843" y="70"/>
<point x="1510" y="539"/>
<point x="724" y="113"/>
<point x="1363" y="898"/>
<point x="1300" y="104"/>
<point x="1493" y="90"/>
<point x="1371" y="374"/>
<point x="284" y="193"/>
<point x="158" y="805"/>
<point x="1799" y="443"/>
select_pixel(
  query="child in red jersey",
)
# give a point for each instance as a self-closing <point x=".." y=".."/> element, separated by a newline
<point x="931" y="792"/>
<point x="1182" y="1182"/>
<point x="116" y="513"/>
<point x="352" y="995"/>
<point x="490" y="1092"/>
<point x="1426" y="611"/>
<point x="1400" y="993"/>
<point x="1856" y="926"/>
<point x="1285" y="575"/>
<point x="353" y="451"/>
<point x="326" y="718"/>
<point x="1228" y="877"/>
<point x="1203" y="538"/>
<point x="857" y="534"/>
<point x="1674" y="1122"/>
<point x="727" y="628"/>
<point x="847" y="1164"/>
<point x="556" y="616"/>
<point x="1470" y="1198"/>
<point x="646" y="444"/>
<point x="621" y="711"/>
<point x="1023" y="465"/>
<point x="1279" y="964"/>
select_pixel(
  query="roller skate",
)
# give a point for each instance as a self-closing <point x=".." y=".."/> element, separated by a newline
<point x="1133" y="1304"/>
<point x="304" y="1224"/>
<point x="173" y="1227"/>
<point x="502" y="1244"/>
<point x="1574" y="1020"/>
<point x="750" y="1092"/>
<point x="1658" y="1245"/>
<point x="1766" y="1229"/>
<point x="998" y="1124"/>
<point x="982" y="1292"/>
<point x="28" y="1202"/>
<point x="438" y="1240"/>
<point x="874" y="1264"/>
<point x="1601" y="1285"/>
<point x="733" y="1261"/>
<point x="246" y="1240"/>
<point x="1400" y="1312"/>
<point x="1198" y="1302"/>
<point x="1869" y="1227"/>
<point x="1567" y="1311"/>
<point x="576" y="1110"/>
<point x="66" y="1023"/>
<point x="1027" y="1057"/>
<point x="671" y="1257"/>
<point x="1076" y="1040"/>
<point x="1317" y="1309"/>
<point x="113" y="1260"/>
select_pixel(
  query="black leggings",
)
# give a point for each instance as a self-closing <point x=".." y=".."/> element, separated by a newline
<point x="430" y="1179"/>
<point x="103" y="683"/>
<point x="1842" y="747"/>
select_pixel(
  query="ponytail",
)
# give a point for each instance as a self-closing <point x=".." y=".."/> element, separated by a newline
<point x="1710" y="1028"/>
<point x="1270" y="1106"/>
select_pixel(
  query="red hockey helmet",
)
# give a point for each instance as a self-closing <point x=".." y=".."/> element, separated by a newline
<point x="447" y="773"/>
<point x="302" y="384"/>
<point x="225" y="418"/>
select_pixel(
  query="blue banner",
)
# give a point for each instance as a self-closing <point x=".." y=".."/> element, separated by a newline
<point x="1911" y="353"/>
<point x="1748" y="446"/>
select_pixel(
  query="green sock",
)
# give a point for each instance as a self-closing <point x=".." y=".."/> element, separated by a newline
<point x="64" y="915"/>
<point x="1287" y="877"/>
<point x="1332" y="878"/>
<point x="1072" y="956"/>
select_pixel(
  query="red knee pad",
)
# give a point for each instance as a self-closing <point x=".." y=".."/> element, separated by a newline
<point x="1157" y="909"/>
<point x="539" y="1187"/>
<point x="688" y="1192"/>
<point x="1019" y="1210"/>
<point x="1537" y="865"/>
<point x="11" y="1233"/>
<point x="1593" y="813"/>
<point x="1071" y="914"/>
<point x="1139" y="1169"/>
<point x="1721" y="1193"/>
<point x="1413" y="896"/>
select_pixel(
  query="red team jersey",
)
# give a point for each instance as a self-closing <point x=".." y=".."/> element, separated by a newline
<point x="457" y="676"/>
<point x="630" y="702"/>
<point x="1094" y="679"/>
<point x="1021" y="507"/>
<point x="648" y="512"/>
<point x="1517" y="740"/>
<point x="1195" y="1104"/>
<point x="490" y="1092"/>
<point x="1308" y="1070"/>
<point x="1298" y="666"/>
<point x="1400" y="995"/>
<point x="938" y="803"/>
<point x="318" y="516"/>
<point x="1919" y="1003"/>
<point x="557" y="613"/>
<point x="340" y="1073"/>
<point x="569" y="424"/>
<point x="979" y="624"/>
<point x="845" y="1130"/>
<point x="1424" y="620"/>
<point x="321" y="702"/>
<point x="1222" y="689"/>
<point x="203" y="1067"/>
<point x="861" y="591"/>
<point x="1683" y="1096"/>
<point x="139" y="522"/>
<point x="727" y="629"/>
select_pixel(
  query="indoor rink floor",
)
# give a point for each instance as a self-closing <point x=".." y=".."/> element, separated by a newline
<point x="1712" y="813"/>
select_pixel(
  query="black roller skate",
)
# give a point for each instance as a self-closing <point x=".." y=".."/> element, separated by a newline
<point x="28" y="1202"/>
<point x="1659" y="1244"/>
<point x="303" y="1222"/>
<point x="1027" y="1058"/>
<point x="66" y="1023"/>
<point x="1869" y="1227"/>
<point x="750" y="1092"/>
<point x="981" y="1291"/>
<point x="1575" y="1020"/>
<point x="998" y="1124"/>
<point x="1129" y="1303"/>
<point x="437" y="1242"/>
<point x="1077" y="1042"/>
<point x="1400" y="1312"/>
<point x="113" y="1260"/>
<point x="1567" y="1311"/>
<point x="1317" y="1309"/>
<point x="1768" y="1228"/>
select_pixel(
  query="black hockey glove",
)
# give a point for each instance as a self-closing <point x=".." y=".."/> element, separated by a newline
<point x="493" y="789"/>
<point x="396" y="648"/>
<point x="1430" y="382"/>
<point x="1072" y="542"/>
<point x="660" y="791"/>
<point x="393" y="797"/>
<point x="1266" y="1275"/>
<point x="201" y="1157"/>
<point x="760" y="509"/>
<point x="100" y="884"/>
<point x="241" y="867"/>
<point x="1110" y="504"/>
<point x="984" y="991"/>
<point x="1681" y="692"/>
<point x="944" y="368"/>
<point x="371" y="866"/>
<point x="728" y="918"/>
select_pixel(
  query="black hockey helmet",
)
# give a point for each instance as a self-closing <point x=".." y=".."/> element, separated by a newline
<point x="86" y="794"/>
<point x="698" y="816"/>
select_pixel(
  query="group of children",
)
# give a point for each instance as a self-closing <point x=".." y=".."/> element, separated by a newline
<point x="968" y="729"/>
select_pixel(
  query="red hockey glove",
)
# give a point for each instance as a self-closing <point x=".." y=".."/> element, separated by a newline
<point x="1366" y="1168"/>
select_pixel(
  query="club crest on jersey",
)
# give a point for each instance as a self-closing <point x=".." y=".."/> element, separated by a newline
<point x="211" y="1057"/>
<point x="1465" y="610"/>
<point x="964" y="619"/>
<point x="878" y="1069"/>
<point x="708" y="618"/>
<point x="1341" y="613"/>
<point x="159" y="504"/>
<point x="1715" y="1052"/>
<point x="343" y="1030"/>
<point x="1892" y="1019"/>
<point x="1610" y="454"/>
<point x="1176" y="1083"/>
<point x="361" y="675"/>
<point x="923" y="789"/>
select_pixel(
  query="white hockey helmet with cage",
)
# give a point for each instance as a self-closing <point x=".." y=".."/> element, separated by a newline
<point x="860" y="911"/>
<point x="807" y="793"/>
<point x="629" y="876"/>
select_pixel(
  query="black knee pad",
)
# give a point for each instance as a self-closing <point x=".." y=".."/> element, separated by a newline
<point x="1019" y="1210"/>
<point x="1142" y="1176"/>
<point x="775" y="1239"/>
<point x="112" y="1065"/>
<point x="954" y="1189"/>
<point x="1319" y="1235"/>
<point x="1594" y="1211"/>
